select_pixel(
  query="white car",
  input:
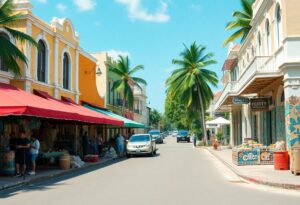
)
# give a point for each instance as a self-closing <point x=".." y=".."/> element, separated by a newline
<point x="141" y="144"/>
<point x="175" y="133"/>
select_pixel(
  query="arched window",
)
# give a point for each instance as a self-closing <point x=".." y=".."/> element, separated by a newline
<point x="66" y="71"/>
<point x="2" y="64"/>
<point x="268" y="37"/>
<point x="278" y="25"/>
<point x="41" y="62"/>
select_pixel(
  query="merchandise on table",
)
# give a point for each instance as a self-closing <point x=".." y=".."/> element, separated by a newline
<point x="253" y="153"/>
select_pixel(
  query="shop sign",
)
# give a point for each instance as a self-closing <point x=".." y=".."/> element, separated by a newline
<point x="248" y="156"/>
<point x="238" y="100"/>
<point x="266" y="156"/>
<point x="259" y="104"/>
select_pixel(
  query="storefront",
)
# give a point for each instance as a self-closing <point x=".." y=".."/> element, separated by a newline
<point x="58" y="124"/>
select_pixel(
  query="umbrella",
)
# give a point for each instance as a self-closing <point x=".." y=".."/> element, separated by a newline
<point x="218" y="121"/>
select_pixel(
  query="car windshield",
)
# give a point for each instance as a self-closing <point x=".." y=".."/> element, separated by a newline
<point x="139" y="138"/>
<point x="154" y="133"/>
<point x="183" y="132"/>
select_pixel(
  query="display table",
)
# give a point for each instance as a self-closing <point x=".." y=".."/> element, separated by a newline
<point x="49" y="155"/>
<point x="255" y="156"/>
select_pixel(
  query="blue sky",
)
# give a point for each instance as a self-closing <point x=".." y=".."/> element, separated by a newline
<point x="151" y="31"/>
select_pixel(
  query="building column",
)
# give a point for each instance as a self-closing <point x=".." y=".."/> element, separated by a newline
<point x="77" y="76"/>
<point x="56" y="84"/>
<point x="28" y="51"/>
<point x="231" y="139"/>
<point x="292" y="105"/>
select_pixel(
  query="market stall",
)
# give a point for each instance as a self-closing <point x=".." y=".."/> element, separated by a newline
<point x="253" y="153"/>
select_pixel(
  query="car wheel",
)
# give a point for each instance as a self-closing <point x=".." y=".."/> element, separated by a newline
<point x="154" y="152"/>
<point x="128" y="155"/>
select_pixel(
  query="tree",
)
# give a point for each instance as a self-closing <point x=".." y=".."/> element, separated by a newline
<point x="10" y="54"/>
<point x="190" y="83"/>
<point x="126" y="83"/>
<point x="241" y="22"/>
<point x="155" y="118"/>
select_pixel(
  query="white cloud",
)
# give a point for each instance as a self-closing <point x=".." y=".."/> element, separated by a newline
<point x="137" y="11"/>
<point x="42" y="1"/>
<point x="85" y="5"/>
<point x="114" y="54"/>
<point x="61" y="7"/>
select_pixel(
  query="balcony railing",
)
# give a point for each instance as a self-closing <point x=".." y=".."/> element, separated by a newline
<point x="230" y="87"/>
<point x="260" y="65"/>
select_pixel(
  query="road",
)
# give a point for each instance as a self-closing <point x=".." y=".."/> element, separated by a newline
<point x="178" y="175"/>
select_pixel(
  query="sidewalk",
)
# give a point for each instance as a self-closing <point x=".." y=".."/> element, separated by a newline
<point x="7" y="182"/>
<point x="260" y="174"/>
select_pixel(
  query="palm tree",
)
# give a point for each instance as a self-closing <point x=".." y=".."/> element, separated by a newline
<point x="241" y="22"/>
<point x="126" y="82"/>
<point x="191" y="81"/>
<point x="10" y="53"/>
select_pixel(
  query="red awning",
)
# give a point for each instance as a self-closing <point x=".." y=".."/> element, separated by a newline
<point x="16" y="102"/>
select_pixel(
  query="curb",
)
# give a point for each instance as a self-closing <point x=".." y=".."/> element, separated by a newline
<point x="50" y="176"/>
<point x="254" y="180"/>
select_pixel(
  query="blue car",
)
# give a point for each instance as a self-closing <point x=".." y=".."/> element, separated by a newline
<point x="183" y="135"/>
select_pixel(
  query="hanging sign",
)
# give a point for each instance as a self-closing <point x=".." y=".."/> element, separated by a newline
<point x="238" y="100"/>
<point x="259" y="104"/>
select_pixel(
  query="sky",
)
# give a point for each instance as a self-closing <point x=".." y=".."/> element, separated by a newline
<point x="151" y="32"/>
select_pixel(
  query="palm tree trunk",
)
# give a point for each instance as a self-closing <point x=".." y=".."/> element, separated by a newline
<point x="202" y="116"/>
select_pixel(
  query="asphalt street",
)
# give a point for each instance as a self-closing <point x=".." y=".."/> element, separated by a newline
<point x="178" y="175"/>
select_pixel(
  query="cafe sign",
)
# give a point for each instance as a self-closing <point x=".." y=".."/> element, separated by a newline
<point x="238" y="100"/>
<point x="259" y="104"/>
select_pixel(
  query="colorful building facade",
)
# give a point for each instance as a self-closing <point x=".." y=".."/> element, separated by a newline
<point x="262" y="77"/>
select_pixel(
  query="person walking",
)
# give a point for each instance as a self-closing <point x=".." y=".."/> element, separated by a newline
<point x="34" y="151"/>
<point x="195" y="139"/>
<point x="22" y="154"/>
<point x="120" y="140"/>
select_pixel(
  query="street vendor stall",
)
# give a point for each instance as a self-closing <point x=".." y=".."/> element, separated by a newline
<point x="253" y="153"/>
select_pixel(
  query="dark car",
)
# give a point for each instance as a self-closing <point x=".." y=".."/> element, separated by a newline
<point x="183" y="135"/>
<point x="157" y="136"/>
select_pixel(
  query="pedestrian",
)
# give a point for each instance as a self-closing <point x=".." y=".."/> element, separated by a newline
<point x="195" y="139"/>
<point x="22" y="153"/>
<point x="120" y="144"/>
<point x="12" y="141"/>
<point x="34" y="151"/>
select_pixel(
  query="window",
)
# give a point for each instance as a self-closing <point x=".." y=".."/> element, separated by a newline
<point x="66" y="71"/>
<point x="2" y="65"/>
<point x="268" y="41"/>
<point x="109" y="92"/>
<point x="41" y="62"/>
<point x="259" y="44"/>
<point x="278" y="25"/>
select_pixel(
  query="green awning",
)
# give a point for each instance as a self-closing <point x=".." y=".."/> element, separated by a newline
<point x="127" y="122"/>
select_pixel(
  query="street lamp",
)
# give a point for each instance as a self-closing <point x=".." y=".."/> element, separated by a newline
<point x="98" y="73"/>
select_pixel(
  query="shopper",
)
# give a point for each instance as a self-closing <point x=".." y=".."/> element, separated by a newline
<point x="22" y="153"/>
<point x="34" y="151"/>
<point x="120" y="144"/>
<point x="13" y="141"/>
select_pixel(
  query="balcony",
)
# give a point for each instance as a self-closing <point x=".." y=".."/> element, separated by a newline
<point x="258" y="74"/>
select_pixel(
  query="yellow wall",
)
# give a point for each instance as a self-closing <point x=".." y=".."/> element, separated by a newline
<point x="87" y="82"/>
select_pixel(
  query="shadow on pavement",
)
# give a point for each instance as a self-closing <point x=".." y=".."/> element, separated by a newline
<point x="53" y="183"/>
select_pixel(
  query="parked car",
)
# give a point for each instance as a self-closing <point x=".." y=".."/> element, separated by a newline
<point x="141" y="144"/>
<point x="183" y="135"/>
<point x="175" y="133"/>
<point x="157" y="136"/>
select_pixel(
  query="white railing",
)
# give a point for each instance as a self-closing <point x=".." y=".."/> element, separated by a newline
<point x="229" y="88"/>
<point x="260" y="64"/>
